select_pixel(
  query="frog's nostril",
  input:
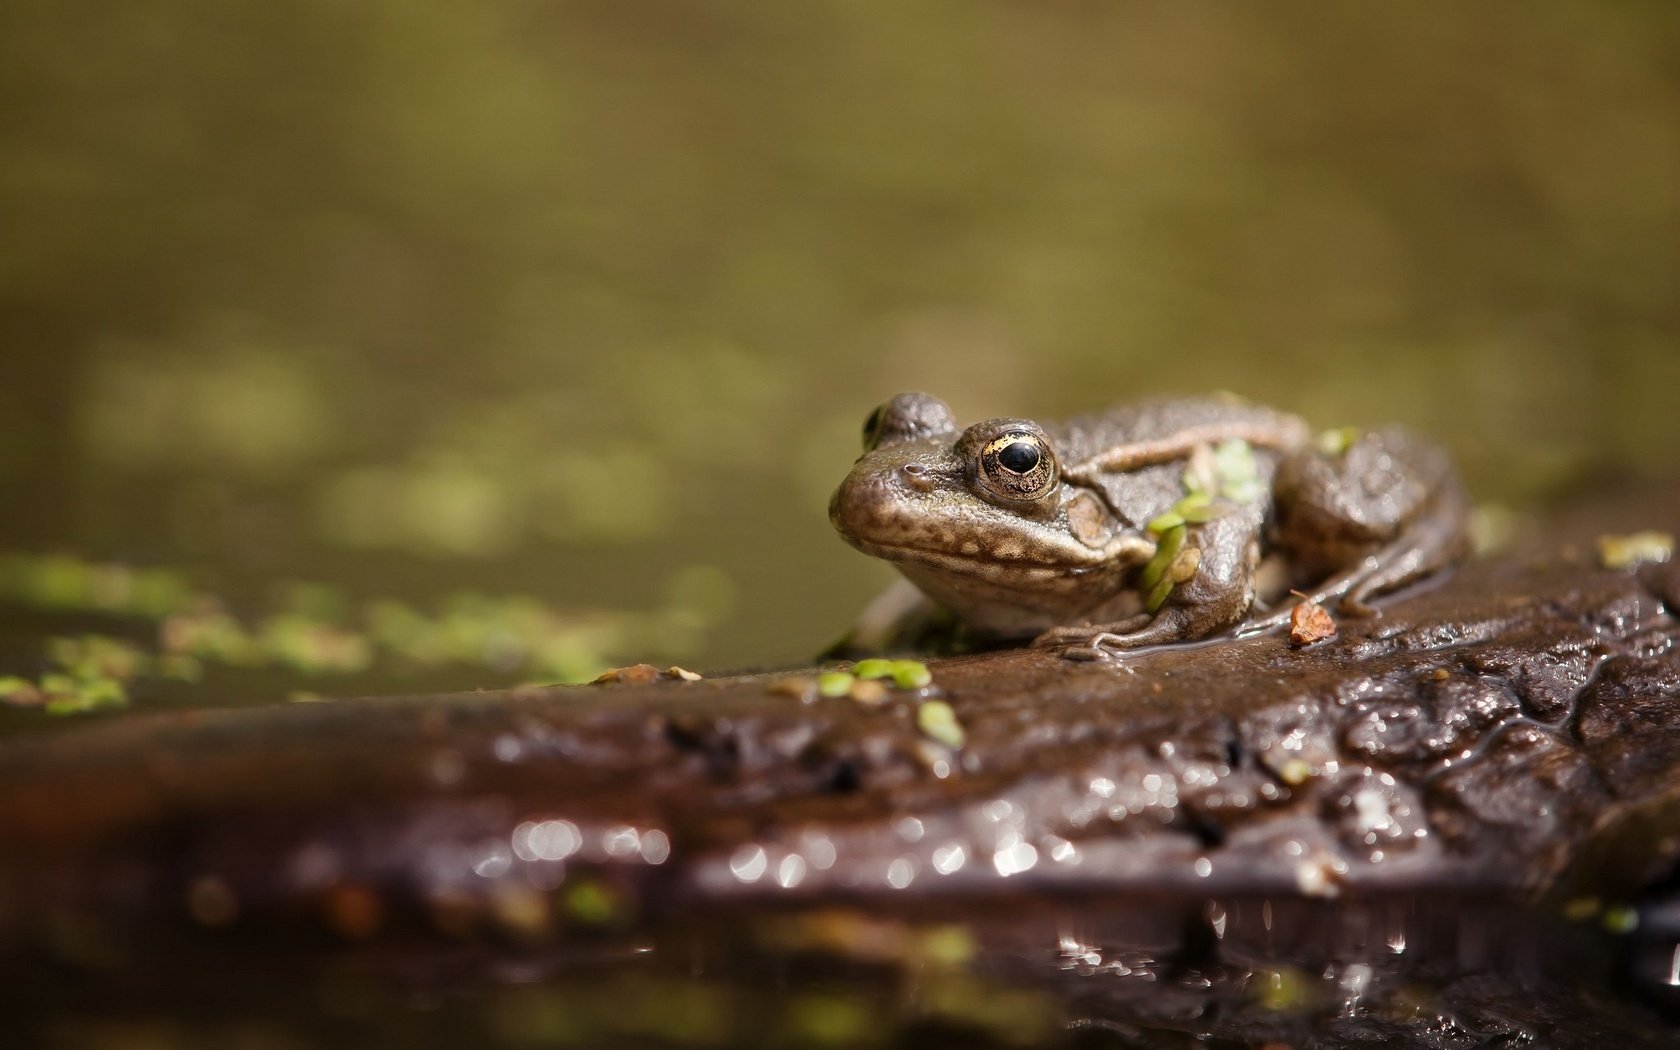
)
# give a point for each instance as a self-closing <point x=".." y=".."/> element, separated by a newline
<point x="916" y="476"/>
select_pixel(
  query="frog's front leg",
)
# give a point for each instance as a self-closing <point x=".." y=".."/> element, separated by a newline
<point x="1211" y="588"/>
<point x="1359" y="516"/>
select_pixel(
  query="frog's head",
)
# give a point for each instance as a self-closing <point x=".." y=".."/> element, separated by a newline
<point x="980" y="519"/>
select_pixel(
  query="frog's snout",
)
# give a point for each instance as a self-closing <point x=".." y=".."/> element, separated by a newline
<point x="872" y="500"/>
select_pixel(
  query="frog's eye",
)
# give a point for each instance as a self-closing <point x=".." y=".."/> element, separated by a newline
<point x="872" y="427"/>
<point x="1018" y="465"/>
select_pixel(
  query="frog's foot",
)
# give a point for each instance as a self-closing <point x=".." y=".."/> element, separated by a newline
<point x="1108" y="640"/>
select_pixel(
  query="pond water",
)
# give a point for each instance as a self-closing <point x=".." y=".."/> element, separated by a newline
<point x="407" y="347"/>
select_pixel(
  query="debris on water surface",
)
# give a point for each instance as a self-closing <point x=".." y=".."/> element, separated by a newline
<point x="1310" y="622"/>
<point x="1637" y="548"/>
<point x="938" y="720"/>
<point x="642" y="674"/>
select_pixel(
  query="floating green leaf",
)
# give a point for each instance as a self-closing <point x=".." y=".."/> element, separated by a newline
<point x="938" y="720"/>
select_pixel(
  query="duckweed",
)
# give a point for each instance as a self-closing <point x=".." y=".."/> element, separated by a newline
<point x="835" y="683"/>
<point x="938" y="720"/>
<point x="1171" y="542"/>
<point x="1284" y="990"/>
<point x="593" y="903"/>
<point x="1239" y="475"/>
<point x="827" y="1019"/>
<point x="1337" y="440"/>
<point x="316" y="630"/>
<point x="911" y="674"/>
<point x="1638" y="548"/>
<point x="873" y="668"/>
<point x="19" y="692"/>
<point x="1620" y="919"/>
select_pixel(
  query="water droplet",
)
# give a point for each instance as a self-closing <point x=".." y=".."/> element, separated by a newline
<point x="910" y="829"/>
<point x="1015" y="859"/>
<point x="749" y="863"/>
<point x="621" y="841"/>
<point x="546" y="840"/>
<point x="494" y="862"/>
<point x="820" y="851"/>
<point x="791" y="871"/>
<point x="900" y="872"/>
<point x="1102" y="787"/>
<point x="508" y="748"/>
<point x="1204" y="867"/>
<point x="950" y="858"/>
<point x="656" y="846"/>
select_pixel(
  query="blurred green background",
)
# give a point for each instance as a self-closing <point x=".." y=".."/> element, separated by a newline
<point x="587" y="301"/>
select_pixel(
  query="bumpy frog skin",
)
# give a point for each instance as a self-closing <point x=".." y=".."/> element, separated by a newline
<point x="1145" y="524"/>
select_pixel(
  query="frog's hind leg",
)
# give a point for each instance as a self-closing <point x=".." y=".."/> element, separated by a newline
<point x="1384" y="513"/>
<point x="1102" y="641"/>
<point x="1407" y="560"/>
<point x="1431" y="543"/>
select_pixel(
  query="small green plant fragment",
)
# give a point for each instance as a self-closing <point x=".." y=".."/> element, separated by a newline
<point x="827" y="1019"/>
<point x="950" y="946"/>
<point x="1171" y="543"/>
<point x="67" y="695"/>
<point x="911" y="674"/>
<point x="1163" y="523"/>
<point x="592" y="903"/>
<point x="1295" y="772"/>
<point x="1239" y="475"/>
<point x="19" y="692"/>
<point x="1620" y="919"/>
<point x="938" y="720"/>
<point x="1201" y="478"/>
<point x="835" y="683"/>
<point x="1638" y="548"/>
<point x="1283" y="990"/>
<point x="1197" y="508"/>
<point x="1337" y="440"/>
<point x="1158" y="595"/>
<point x="873" y="668"/>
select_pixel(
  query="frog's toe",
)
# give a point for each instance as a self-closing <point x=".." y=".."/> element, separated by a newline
<point x="1087" y="636"/>
<point x="1356" y="606"/>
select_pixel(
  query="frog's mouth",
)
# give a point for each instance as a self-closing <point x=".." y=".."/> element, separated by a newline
<point x="1067" y="560"/>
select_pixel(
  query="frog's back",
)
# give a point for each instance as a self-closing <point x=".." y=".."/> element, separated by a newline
<point x="1084" y="437"/>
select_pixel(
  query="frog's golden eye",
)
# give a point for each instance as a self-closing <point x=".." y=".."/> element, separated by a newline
<point x="1018" y="465"/>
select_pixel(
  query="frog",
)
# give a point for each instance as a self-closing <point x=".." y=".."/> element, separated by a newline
<point x="1161" y="521"/>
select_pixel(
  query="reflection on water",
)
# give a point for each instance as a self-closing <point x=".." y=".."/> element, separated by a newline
<point x="1160" y="972"/>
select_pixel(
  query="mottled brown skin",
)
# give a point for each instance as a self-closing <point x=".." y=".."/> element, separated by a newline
<point x="1030" y="531"/>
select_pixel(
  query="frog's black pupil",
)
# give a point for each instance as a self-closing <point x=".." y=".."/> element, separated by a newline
<point x="1019" y="456"/>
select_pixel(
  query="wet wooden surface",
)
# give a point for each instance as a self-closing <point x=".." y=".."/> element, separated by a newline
<point x="1511" y="731"/>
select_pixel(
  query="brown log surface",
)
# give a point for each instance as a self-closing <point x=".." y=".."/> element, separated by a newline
<point x="1513" y="729"/>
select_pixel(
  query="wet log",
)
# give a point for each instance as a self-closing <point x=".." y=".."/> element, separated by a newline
<point x="1510" y="732"/>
